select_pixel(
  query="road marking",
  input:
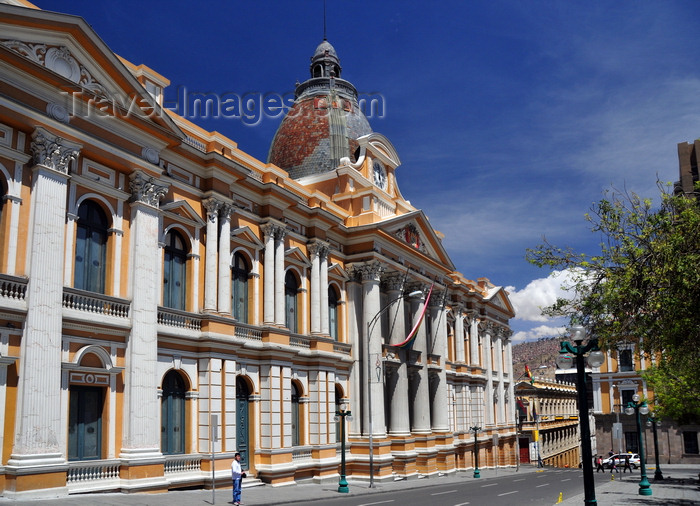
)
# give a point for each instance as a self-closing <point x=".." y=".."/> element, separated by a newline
<point x="508" y="493"/>
<point x="568" y="479"/>
<point x="378" y="502"/>
<point x="462" y="504"/>
<point x="543" y="485"/>
<point x="520" y="479"/>
<point x="445" y="492"/>
<point x="489" y="485"/>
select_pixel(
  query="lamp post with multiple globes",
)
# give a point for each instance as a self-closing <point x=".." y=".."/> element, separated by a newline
<point x="567" y="356"/>
<point x="340" y="415"/>
<point x="636" y="407"/>
<point x="653" y="421"/>
<point x="475" y="430"/>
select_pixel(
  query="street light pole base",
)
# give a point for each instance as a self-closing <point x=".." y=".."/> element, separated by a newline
<point x="658" y="476"/>
<point x="644" y="487"/>
<point x="343" y="485"/>
<point x="477" y="474"/>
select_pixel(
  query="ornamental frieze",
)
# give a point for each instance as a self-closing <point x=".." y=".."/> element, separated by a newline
<point x="57" y="59"/>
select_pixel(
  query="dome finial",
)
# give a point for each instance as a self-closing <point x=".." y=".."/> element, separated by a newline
<point x="324" y="20"/>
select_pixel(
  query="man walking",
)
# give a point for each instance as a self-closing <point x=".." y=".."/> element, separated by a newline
<point x="627" y="465"/>
<point x="237" y="476"/>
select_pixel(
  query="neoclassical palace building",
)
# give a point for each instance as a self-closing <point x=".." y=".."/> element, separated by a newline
<point x="167" y="300"/>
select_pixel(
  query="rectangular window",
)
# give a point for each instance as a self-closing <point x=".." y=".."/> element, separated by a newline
<point x="690" y="442"/>
<point x="626" y="361"/>
<point x="626" y="397"/>
<point x="631" y="442"/>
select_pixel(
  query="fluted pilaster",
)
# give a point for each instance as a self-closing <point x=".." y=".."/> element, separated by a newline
<point x="212" y="206"/>
<point x="140" y="436"/>
<point x="225" y="259"/>
<point x="38" y="417"/>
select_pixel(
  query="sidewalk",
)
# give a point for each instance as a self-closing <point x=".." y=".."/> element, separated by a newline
<point x="680" y="487"/>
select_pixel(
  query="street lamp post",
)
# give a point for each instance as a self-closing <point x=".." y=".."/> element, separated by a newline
<point x="635" y="407"/>
<point x="475" y="430"/>
<point x="567" y="355"/>
<point x="370" y="328"/>
<point x="340" y="415"/>
<point x="653" y="421"/>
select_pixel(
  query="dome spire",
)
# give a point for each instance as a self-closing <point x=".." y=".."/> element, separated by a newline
<point x="325" y="61"/>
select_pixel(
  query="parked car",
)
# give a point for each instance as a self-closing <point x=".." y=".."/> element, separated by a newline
<point x="619" y="459"/>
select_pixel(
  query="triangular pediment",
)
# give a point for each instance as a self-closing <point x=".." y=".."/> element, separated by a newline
<point x="245" y="235"/>
<point x="336" y="269"/>
<point x="295" y="254"/>
<point x="79" y="62"/>
<point x="410" y="232"/>
<point x="498" y="297"/>
<point x="183" y="212"/>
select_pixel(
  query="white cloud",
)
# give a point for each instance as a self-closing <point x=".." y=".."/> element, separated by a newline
<point x="538" y="294"/>
<point x="536" y="333"/>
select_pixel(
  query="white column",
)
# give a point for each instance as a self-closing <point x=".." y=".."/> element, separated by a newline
<point x="488" y="365"/>
<point x="421" y="403"/>
<point x="69" y="248"/>
<point x="210" y="277"/>
<point x="400" y="421"/>
<point x="324" y="290"/>
<point x="225" y="260"/>
<point x="371" y="273"/>
<point x="498" y="366"/>
<point x="314" y="250"/>
<point x="279" y="276"/>
<point x="474" y="340"/>
<point x="140" y="435"/>
<point x="38" y="414"/>
<point x="269" y="274"/>
<point x="440" y="418"/>
<point x="459" y="334"/>
<point x="14" y="197"/>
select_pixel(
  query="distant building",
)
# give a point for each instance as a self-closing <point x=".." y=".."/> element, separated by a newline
<point x="614" y="385"/>
<point x="688" y="167"/>
<point x="548" y="428"/>
<point x="159" y="286"/>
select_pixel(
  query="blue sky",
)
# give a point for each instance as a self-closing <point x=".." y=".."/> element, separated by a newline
<point x="510" y="118"/>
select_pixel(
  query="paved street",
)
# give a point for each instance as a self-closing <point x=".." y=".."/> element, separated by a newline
<point x="505" y="488"/>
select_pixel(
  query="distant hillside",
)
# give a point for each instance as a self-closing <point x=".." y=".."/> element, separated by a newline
<point x="536" y="354"/>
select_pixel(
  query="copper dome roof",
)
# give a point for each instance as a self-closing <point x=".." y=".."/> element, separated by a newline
<point x="323" y="124"/>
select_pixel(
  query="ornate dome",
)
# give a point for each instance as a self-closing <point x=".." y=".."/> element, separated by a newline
<point x="323" y="124"/>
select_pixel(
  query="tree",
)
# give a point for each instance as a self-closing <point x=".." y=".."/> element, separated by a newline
<point x="643" y="287"/>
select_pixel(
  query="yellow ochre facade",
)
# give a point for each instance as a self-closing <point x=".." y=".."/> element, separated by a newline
<point x="165" y="296"/>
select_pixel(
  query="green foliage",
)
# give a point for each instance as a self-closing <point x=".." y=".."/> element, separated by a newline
<point x="642" y="287"/>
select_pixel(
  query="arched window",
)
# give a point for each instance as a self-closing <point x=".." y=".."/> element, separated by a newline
<point x="291" y="287"/>
<point x="296" y="415"/>
<point x="91" y="248"/>
<point x="174" y="271"/>
<point x="172" y="414"/>
<point x="239" y="288"/>
<point x="333" y="312"/>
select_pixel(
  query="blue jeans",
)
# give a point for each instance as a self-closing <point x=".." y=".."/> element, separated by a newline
<point x="237" y="490"/>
